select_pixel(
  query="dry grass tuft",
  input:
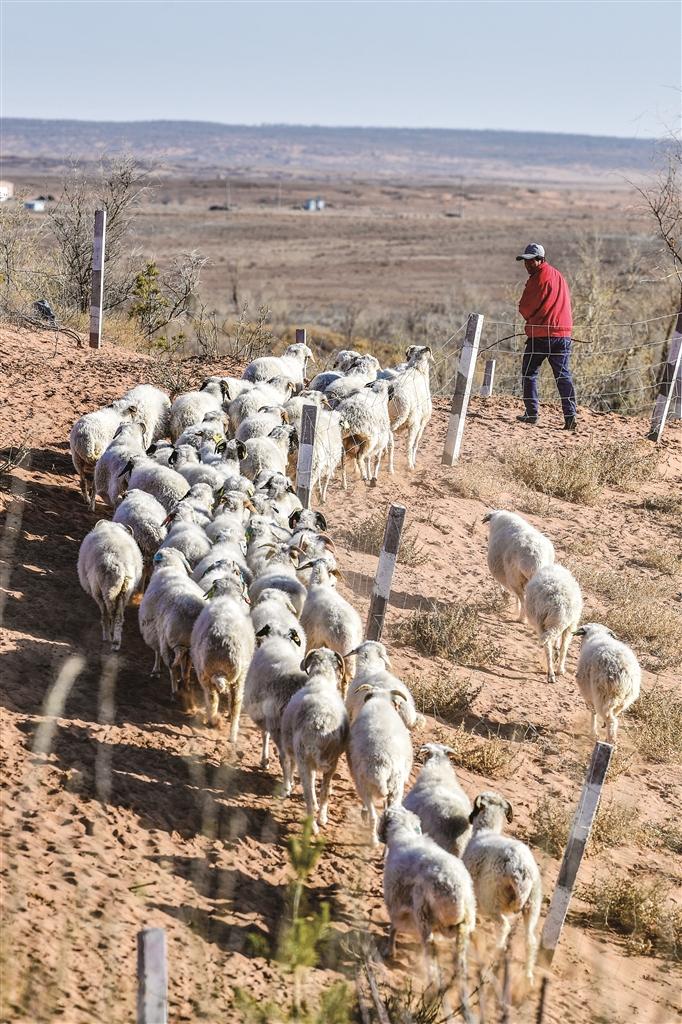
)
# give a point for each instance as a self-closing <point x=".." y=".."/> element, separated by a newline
<point x="455" y="632"/>
<point x="661" y="559"/>
<point x="368" y="534"/>
<point x="445" y="697"/>
<point x="580" y="474"/>
<point x="615" y="825"/>
<point x="668" y="836"/>
<point x="658" y="718"/>
<point x="493" y="757"/>
<point x="641" y="912"/>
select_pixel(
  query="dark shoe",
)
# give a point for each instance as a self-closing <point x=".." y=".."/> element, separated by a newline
<point x="532" y="420"/>
<point x="571" y="423"/>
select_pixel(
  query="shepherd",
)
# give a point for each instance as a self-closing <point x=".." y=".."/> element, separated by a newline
<point x="546" y="307"/>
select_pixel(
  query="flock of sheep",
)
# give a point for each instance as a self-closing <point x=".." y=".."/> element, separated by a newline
<point x="240" y="599"/>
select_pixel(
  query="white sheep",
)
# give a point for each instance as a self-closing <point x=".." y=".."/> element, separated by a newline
<point x="608" y="676"/>
<point x="328" y="452"/>
<point x="274" y="676"/>
<point x="153" y="410"/>
<point x="127" y="443"/>
<point x="516" y="550"/>
<point x="379" y="753"/>
<point x="222" y="646"/>
<point x="439" y="801"/>
<point x="505" y="875"/>
<point x="167" y="566"/>
<point x="190" y="408"/>
<point x="366" y="428"/>
<point x="553" y="605"/>
<point x="314" y="732"/>
<point x="410" y="406"/>
<point x="427" y="890"/>
<point x="162" y="482"/>
<point x="371" y="672"/>
<point x="146" y="517"/>
<point x="90" y="436"/>
<point x="110" y="571"/>
<point x="361" y="371"/>
<point x="260" y="423"/>
<point x="273" y="608"/>
<point x="180" y="605"/>
<point x="268" y="454"/>
<point x="186" y="536"/>
<point x="291" y="364"/>
<point x="328" y="619"/>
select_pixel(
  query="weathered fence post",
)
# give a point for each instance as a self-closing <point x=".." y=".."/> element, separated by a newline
<point x="304" y="466"/>
<point x="301" y="336"/>
<point x="488" y="379"/>
<point x="676" y="410"/>
<point x="463" y="383"/>
<point x="152" y="977"/>
<point x="575" y="848"/>
<point x="97" y="292"/>
<point x="669" y="383"/>
<point x="381" y="591"/>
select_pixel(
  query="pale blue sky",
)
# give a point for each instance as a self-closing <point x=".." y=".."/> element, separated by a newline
<point x="604" y="68"/>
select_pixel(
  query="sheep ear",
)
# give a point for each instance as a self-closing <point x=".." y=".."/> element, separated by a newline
<point x="294" y="517"/>
<point x="382" y="828"/>
<point x="241" y="450"/>
<point x="204" y="385"/>
<point x="221" y="446"/>
<point x="126" y="469"/>
<point x="341" y="664"/>
<point x="509" y="813"/>
<point x="265" y="631"/>
<point x="306" y="661"/>
<point x="581" y="632"/>
<point x="152" y="449"/>
<point x="320" y="521"/>
<point x="478" y="807"/>
<point x="293" y="635"/>
<point x="225" y="390"/>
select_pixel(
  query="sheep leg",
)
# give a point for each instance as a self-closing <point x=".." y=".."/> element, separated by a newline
<point x="265" y="750"/>
<point x="287" y="773"/>
<point x="237" y="699"/>
<point x="563" y="648"/>
<point x="308" y="785"/>
<point x="212" y="700"/>
<point x="549" y="653"/>
<point x="611" y="723"/>
<point x="504" y="932"/>
<point x="372" y="821"/>
<point x="531" y="912"/>
<point x="390" y="943"/>
<point x="412" y="439"/>
<point x="424" y="923"/>
<point x="461" y="946"/>
<point x="156" y="670"/>
<point x="593" y="723"/>
<point x="390" y="447"/>
<point x="520" y="610"/>
<point x="325" y="789"/>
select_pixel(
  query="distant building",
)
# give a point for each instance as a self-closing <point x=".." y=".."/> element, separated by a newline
<point x="35" y="205"/>
<point x="6" y="190"/>
<point x="314" y="204"/>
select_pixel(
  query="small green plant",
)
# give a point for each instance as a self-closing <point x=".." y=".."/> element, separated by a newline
<point x="641" y="912"/>
<point x="149" y="307"/>
<point x="454" y="631"/>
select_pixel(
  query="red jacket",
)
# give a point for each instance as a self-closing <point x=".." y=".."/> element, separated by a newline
<point x="546" y="304"/>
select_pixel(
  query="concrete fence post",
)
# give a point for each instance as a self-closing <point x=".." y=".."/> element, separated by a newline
<point x="97" y="291"/>
<point x="388" y="556"/>
<point x="304" y="467"/>
<point x="672" y="380"/>
<point x="463" y="384"/>
<point x="152" y="977"/>
<point x="575" y="848"/>
<point x="488" y="379"/>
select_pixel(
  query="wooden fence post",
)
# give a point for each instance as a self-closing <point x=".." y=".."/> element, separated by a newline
<point x="97" y="292"/>
<point x="488" y="379"/>
<point x="152" y="977"/>
<point x="676" y="409"/>
<point x="575" y="848"/>
<point x="463" y="383"/>
<point x="669" y="383"/>
<point x="381" y="591"/>
<point x="301" y="336"/>
<point x="304" y="467"/>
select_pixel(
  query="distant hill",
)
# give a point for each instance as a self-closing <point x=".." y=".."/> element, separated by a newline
<point x="297" y="151"/>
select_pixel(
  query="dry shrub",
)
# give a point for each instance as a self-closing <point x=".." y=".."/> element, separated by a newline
<point x="486" y="481"/>
<point x="173" y="375"/>
<point x="455" y="632"/>
<point x="669" y="836"/>
<point x="493" y="757"/>
<point x="658" y="718"/>
<point x="640" y="612"/>
<point x="660" y="559"/>
<point x="664" y="505"/>
<point x="445" y="697"/>
<point x="615" y="825"/>
<point x="580" y="474"/>
<point x="641" y="912"/>
<point x="368" y="534"/>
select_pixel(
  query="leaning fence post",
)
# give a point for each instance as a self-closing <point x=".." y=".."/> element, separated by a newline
<point x="381" y="591"/>
<point x="304" y="467"/>
<point x="152" y="977"/>
<point x="97" y="292"/>
<point x="575" y="848"/>
<point x="463" y="383"/>
<point x="488" y="379"/>
<point x="669" y="384"/>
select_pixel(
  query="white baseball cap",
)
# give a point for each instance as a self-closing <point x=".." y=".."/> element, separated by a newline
<point x="533" y="251"/>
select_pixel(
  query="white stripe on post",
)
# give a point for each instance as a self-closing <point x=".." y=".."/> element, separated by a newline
<point x="304" y="467"/>
<point x="463" y="384"/>
<point x="381" y="591"/>
<point x="97" y="293"/>
<point x="152" y="977"/>
<point x="575" y="848"/>
<point x="488" y="379"/>
<point x="671" y="374"/>
<point x="676" y="410"/>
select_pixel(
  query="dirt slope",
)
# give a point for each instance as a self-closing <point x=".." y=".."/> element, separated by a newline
<point x="127" y="815"/>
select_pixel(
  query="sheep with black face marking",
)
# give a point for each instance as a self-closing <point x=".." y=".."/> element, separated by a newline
<point x="314" y="732"/>
<point x="273" y="608"/>
<point x="153" y="410"/>
<point x="506" y="877"/>
<point x="274" y="676"/>
<point x="439" y="801"/>
<point x="379" y="753"/>
<point x="328" y="619"/>
<point x="279" y="573"/>
<point x="146" y="519"/>
<point x="516" y="551"/>
<point x="608" y="676"/>
<point x="259" y="424"/>
<point x="553" y="605"/>
<point x="427" y="890"/>
<point x="89" y="438"/>
<point x="221" y="648"/>
<point x="127" y="443"/>
<point x="110" y="570"/>
<point x="361" y="371"/>
<point x="162" y="482"/>
<point x="186" y="535"/>
<point x="371" y="672"/>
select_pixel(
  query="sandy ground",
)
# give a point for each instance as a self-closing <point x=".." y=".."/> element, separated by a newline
<point x="119" y="813"/>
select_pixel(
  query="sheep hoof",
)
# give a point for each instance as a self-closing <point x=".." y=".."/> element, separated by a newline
<point x="373" y="482"/>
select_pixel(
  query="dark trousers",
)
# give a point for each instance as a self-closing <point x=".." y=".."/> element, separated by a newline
<point x="558" y="351"/>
